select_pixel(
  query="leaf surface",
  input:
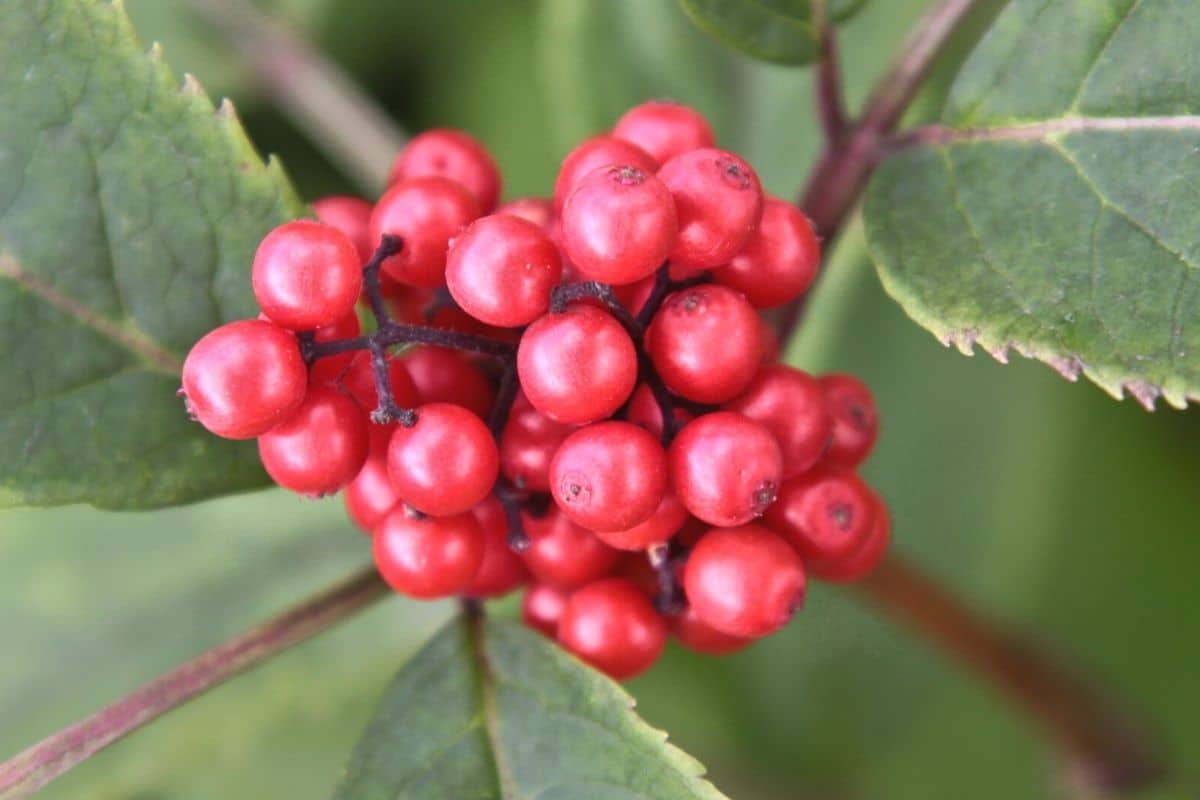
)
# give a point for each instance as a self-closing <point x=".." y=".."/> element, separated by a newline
<point x="772" y="30"/>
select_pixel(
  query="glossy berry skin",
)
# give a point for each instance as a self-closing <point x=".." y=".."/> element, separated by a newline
<point x="370" y="496"/>
<point x="542" y="608"/>
<point x="609" y="476"/>
<point x="718" y="201"/>
<point x="725" y="468"/>
<point x="744" y="581"/>
<point x="306" y="275"/>
<point x="446" y="462"/>
<point x="706" y="343"/>
<point x="527" y="444"/>
<point x="861" y="562"/>
<point x="656" y="529"/>
<point x="664" y="129"/>
<point x="440" y="375"/>
<point x="500" y="270"/>
<point x="577" y="366"/>
<point x="855" y="419"/>
<point x="790" y="404"/>
<point x="593" y="153"/>
<point x="428" y="557"/>
<point x="827" y="514"/>
<point x="538" y="210"/>
<point x="244" y="378"/>
<point x="501" y="570"/>
<point x="351" y="216"/>
<point x="330" y="368"/>
<point x="451" y="154"/>
<point x="563" y="554"/>
<point x="612" y="626"/>
<point x="643" y="410"/>
<point x="618" y="225"/>
<point x="319" y="448"/>
<point x="779" y="262"/>
<point x="359" y="381"/>
<point x="695" y="634"/>
<point x="426" y="212"/>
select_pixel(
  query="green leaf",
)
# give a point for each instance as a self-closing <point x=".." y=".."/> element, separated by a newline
<point x="1054" y="212"/>
<point x="772" y="30"/>
<point x="490" y="710"/>
<point x="129" y="213"/>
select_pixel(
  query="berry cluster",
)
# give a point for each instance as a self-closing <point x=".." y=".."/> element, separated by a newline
<point x="578" y="393"/>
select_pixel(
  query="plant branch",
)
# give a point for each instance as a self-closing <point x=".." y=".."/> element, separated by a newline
<point x="27" y="772"/>
<point x="322" y="99"/>
<point x="1108" y="752"/>
<point x="831" y="107"/>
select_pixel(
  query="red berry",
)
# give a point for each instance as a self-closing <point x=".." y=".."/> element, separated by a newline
<point x="502" y="570"/>
<point x="451" y="154"/>
<point x="660" y="526"/>
<point x="665" y="129"/>
<point x="618" y="225"/>
<point x="244" y="378"/>
<point x="855" y="419"/>
<point x="790" y="404"/>
<point x="695" y="634"/>
<point x="718" y="201"/>
<point x="744" y="581"/>
<point x="330" y="368"/>
<point x="609" y="476"/>
<point x="860" y="563"/>
<point x="351" y="216"/>
<point x="562" y="553"/>
<point x="527" y="444"/>
<point x="706" y="343"/>
<point x="538" y="210"/>
<point x="612" y="626"/>
<point x="725" y="468"/>
<point x="426" y="213"/>
<point x="593" y="153"/>
<point x="779" y="262"/>
<point x="578" y="366"/>
<point x="306" y="275"/>
<point x="542" y="607"/>
<point x="501" y="269"/>
<point x="428" y="557"/>
<point x="446" y="376"/>
<point x="359" y="381"/>
<point x="446" y="462"/>
<point x="321" y="447"/>
<point x="370" y="496"/>
<point x="827" y="514"/>
<point x="643" y="410"/>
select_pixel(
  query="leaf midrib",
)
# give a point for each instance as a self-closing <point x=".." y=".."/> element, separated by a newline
<point x="944" y="135"/>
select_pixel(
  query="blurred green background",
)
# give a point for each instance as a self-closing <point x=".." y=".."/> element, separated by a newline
<point x="1050" y="506"/>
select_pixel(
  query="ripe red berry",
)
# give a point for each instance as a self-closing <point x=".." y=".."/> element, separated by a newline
<point x="538" y="210"/>
<point x="855" y="419"/>
<point x="860" y="563"/>
<point x="426" y="213"/>
<point x="501" y="269"/>
<point x="664" y="129"/>
<point x="501" y="570"/>
<point x="446" y="376"/>
<point x="451" y="154"/>
<point x="542" y="607"/>
<point x="695" y="634"/>
<point x="609" y="476"/>
<point x="827" y="514"/>
<point x="359" y="381"/>
<point x="306" y="275"/>
<point x="643" y="410"/>
<point x="718" y="201"/>
<point x="330" y="368"/>
<point x="428" y="557"/>
<point x="351" y="216"/>
<point x="446" y="462"/>
<point x="618" y="225"/>
<point x="725" y="468"/>
<point x="612" y="626"/>
<point x="593" y="153"/>
<point x="790" y="404"/>
<point x="370" y="496"/>
<point x="660" y="526"/>
<point x="527" y="444"/>
<point x="779" y="262"/>
<point x="706" y="343"/>
<point x="320" y="447"/>
<point x="578" y="366"/>
<point x="563" y="554"/>
<point x="744" y="581"/>
<point x="244" y="378"/>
